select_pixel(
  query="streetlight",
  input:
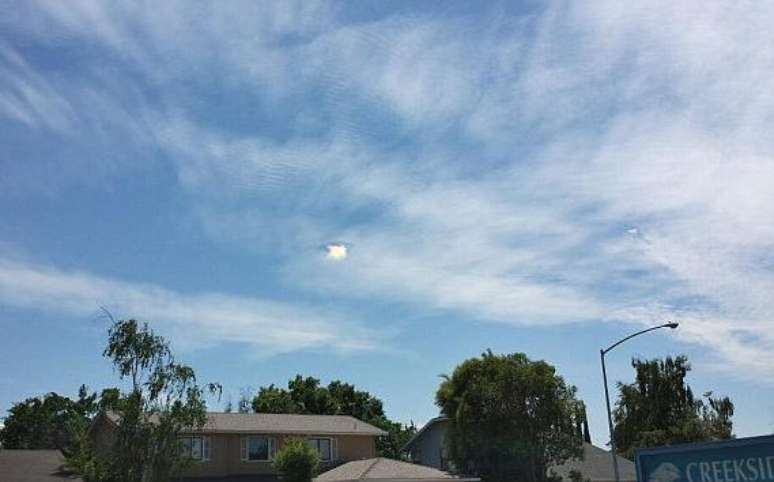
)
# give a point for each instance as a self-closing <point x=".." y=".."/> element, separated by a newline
<point x="602" y="354"/>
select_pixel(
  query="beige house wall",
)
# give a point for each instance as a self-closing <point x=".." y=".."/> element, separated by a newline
<point x="225" y="454"/>
<point x="225" y="451"/>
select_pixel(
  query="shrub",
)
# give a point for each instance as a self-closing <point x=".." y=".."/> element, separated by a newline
<point x="296" y="461"/>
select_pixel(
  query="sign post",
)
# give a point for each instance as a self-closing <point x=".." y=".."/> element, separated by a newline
<point x="736" y="460"/>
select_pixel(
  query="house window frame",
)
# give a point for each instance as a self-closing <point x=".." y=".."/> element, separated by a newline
<point x="331" y="452"/>
<point x="204" y="447"/>
<point x="245" y="448"/>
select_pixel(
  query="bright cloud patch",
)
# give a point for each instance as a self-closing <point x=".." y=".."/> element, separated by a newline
<point x="336" y="251"/>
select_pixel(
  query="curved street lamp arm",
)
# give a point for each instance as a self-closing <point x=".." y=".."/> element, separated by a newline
<point x="602" y="353"/>
<point x="665" y="325"/>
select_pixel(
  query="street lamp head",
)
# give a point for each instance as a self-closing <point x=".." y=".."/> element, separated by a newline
<point x="672" y="325"/>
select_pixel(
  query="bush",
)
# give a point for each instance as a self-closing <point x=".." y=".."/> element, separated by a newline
<point x="296" y="461"/>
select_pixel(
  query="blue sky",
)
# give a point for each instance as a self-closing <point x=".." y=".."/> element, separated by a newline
<point x="542" y="177"/>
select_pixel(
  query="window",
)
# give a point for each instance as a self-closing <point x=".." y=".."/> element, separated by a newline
<point x="323" y="446"/>
<point x="198" y="448"/>
<point x="256" y="448"/>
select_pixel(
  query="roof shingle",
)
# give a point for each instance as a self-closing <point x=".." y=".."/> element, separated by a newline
<point x="597" y="466"/>
<point x="34" y="466"/>
<point x="289" y="423"/>
<point x="282" y="423"/>
<point x="387" y="469"/>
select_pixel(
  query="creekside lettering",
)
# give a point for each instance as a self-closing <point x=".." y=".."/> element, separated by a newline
<point x="736" y="470"/>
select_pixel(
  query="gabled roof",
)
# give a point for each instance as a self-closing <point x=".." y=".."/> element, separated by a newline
<point x="425" y="427"/>
<point x="385" y="470"/>
<point x="282" y="423"/>
<point x="289" y="423"/>
<point x="597" y="466"/>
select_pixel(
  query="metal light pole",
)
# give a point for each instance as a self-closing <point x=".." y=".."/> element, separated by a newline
<point x="602" y="354"/>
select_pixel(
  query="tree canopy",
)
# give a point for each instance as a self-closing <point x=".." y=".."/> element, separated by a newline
<point x="659" y="408"/>
<point x="511" y="417"/>
<point x="307" y="396"/>
<point x="46" y="422"/>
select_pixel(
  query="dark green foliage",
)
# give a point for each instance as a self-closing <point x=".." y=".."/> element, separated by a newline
<point x="296" y="461"/>
<point x="397" y="437"/>
<point x="272" y="399"/>
<point x="511" y="418"/>
<point x="577" y="476"/>
<point x="659" y="408"/>
<point x="46" y="422"/>
<point x="306" y="395"/>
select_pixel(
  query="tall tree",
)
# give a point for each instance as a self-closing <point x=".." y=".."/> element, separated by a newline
<point x="511" y="418"/>
<point x="659" y="408"/>
<point x="306" y="395"/>
<point x="164" y="400"/>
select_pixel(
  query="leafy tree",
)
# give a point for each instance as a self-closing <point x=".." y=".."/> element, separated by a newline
<point x="511" y="418"/>
<point x="164" y="400"/>
<point x="306" y="395"/>
<point x="46" y="422"/>
<point x="272" y="399"/>
<point x="659" y="408"/>
<point x="296" y="461"/>
<point x="398" y="435"/>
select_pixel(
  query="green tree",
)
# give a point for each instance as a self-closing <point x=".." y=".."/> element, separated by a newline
<point x="306" y="395"/>
<point x="659" y="408"/>
<point x="164" y="401"/>
<point x="46" y="422"/>
<point x="296" y="461"/>
<point x="511" y="418"/>
<point x="272" y="399"/>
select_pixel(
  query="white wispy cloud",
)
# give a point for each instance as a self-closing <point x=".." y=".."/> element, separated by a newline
<point x="27" y="97"/>
<point x="196" y="320"/>
<point x="519" y="155"/>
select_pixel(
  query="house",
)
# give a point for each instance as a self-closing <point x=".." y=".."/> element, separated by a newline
<point x="427" y="447"/>
<point x="388" y="470"/>
<point x="238" y="444"/>
<point x="34" y="466"/>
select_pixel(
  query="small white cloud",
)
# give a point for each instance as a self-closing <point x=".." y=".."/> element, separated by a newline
<point x="336" y="251"/>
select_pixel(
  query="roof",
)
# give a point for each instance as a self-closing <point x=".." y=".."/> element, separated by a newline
<point x="422" y="430"/>
<point x="33" y="465"/>
<point x="384" y="470"/>
<point x="598" y="466"/>
<point x="283" y="423"/>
